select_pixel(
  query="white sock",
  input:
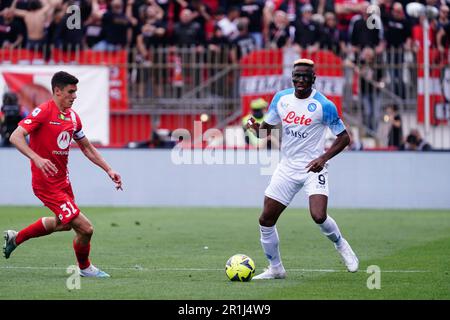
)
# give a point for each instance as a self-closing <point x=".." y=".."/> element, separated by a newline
<point x="331" y="230"/>
<point x="269" y="241"/>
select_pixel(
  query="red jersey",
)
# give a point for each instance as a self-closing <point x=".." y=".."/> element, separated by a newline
<point x="51" y="132"/>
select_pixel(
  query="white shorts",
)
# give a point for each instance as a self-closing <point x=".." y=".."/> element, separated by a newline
<point x="283" y="189"/>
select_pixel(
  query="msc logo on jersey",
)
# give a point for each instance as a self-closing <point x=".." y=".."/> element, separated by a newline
<point x="312" y="107"/>
<point x="63" y="140"/>
<point x="35" y="112"/>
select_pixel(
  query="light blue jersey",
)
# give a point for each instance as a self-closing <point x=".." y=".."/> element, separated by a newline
<point x="304" y="124"/>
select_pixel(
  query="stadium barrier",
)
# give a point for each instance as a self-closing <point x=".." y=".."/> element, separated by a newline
<point x="152" y="178"/>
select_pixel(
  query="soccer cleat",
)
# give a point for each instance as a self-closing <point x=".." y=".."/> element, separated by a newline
<point x="10" y="242"/>
<point x="93" y="272"/>
<point x="348" y="256"/>
<point x="272" y="273"/>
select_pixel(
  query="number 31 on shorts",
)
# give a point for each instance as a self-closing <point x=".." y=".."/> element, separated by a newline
<point x="67" y="207"/>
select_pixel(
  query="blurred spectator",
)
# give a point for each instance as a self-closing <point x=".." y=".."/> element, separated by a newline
<point x="307" y="32"/>
<point x="153" y="34"/>
<point x="293" y="8"/>
<point x="361" y="35"/>
<point x="257" y="107"/>
<point x="279" y="33"/>
<point x="201" y="14"/>
<point x="187" y="32"/>
<point x="36" y="19"/>
<point x="93" y="25"/>
<point x="116" y="27"/>
<point x="10" y="116"/>
<point x="323" y="6"/>
<point x="68" y="38"/>
<point x="345" y="10"/>
<point x="398" y="38"/>
<point x="253" y="10"/>
<point x="443" y="33"/>
<point x="219" y="48"/>
<point x="330" y="39"/>
<point x="228" y="22"/>
<point x="370" y="82"/>
<point x="244" y="43"/>
<point x="11" y="31"/>
<point x="415" y="142"/>
<point x="395" y="134"/>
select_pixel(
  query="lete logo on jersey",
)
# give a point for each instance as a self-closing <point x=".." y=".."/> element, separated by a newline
<point x="63" y="140"/>
<point x="292" y="117"/>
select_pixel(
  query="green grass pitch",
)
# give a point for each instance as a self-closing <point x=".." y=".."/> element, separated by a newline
<point x="180" y="254"/>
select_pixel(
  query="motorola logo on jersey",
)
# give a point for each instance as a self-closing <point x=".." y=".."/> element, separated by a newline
<point x="292" y="117"/>
<point x="63" y="140"/>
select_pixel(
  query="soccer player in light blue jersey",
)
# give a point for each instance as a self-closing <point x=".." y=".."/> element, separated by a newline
<point x="304" y="114"/>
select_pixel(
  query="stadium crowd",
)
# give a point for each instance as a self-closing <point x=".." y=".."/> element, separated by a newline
<point x="340" y="25"/>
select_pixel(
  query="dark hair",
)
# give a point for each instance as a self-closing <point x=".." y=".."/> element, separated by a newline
<point x="10" y="99"/>
<point x="61" y="79"/>
<point x="34" y="5"/>
<point x="412" y="139"/>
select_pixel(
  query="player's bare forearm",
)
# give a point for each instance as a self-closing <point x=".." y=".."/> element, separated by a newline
<point x="342" y="140"/>
<point x="92" y="154"/>
<point x="17" y="138"/>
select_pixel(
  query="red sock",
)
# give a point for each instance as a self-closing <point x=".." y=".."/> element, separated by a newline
<point x="34" y="230"/>
<point x="82" y="253"/>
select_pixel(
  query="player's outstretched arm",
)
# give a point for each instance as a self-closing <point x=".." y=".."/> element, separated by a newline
<point x="92" y="154"/>
<point x="342" y="140"/>
<point x="17" y="138"/>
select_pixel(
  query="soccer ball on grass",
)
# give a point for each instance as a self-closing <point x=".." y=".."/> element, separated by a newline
<point x="240" y="267"/>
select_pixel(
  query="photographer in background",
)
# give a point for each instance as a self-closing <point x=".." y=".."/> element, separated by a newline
<point x="10" y="116"/>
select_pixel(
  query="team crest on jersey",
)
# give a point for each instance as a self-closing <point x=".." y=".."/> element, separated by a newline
<point x="63" y="140"/>
<point x="35" y="112"/>
<point x="312" y="107"/>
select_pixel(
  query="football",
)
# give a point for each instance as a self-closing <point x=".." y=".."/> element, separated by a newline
<point x="240" y="267"/>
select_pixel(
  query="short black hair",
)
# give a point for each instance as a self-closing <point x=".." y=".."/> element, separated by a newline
<point x="61" y="79"/>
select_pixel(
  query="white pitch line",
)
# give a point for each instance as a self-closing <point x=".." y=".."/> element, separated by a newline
<point x="140" y="268"/>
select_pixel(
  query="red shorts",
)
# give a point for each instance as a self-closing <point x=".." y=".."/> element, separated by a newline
<point x="61" y="202"/>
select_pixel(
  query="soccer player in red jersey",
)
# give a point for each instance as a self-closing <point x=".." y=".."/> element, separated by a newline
<point x="51" y="127"/>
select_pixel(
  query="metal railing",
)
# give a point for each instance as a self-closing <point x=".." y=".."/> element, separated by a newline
<point x="185" y="83"/>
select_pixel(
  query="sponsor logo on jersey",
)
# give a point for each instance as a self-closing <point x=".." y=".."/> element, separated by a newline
<point x="63" y="140"/>
<point x="312" y="107"/>
<point x="292" y="117"/>
<point x="27" y="121"/>
<point x="63" y="117"/>
<point x="35" y="112"/>
<point x="60" y="153"/>
<point x="296" y="134"/>
<point x="54" y="122"/>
